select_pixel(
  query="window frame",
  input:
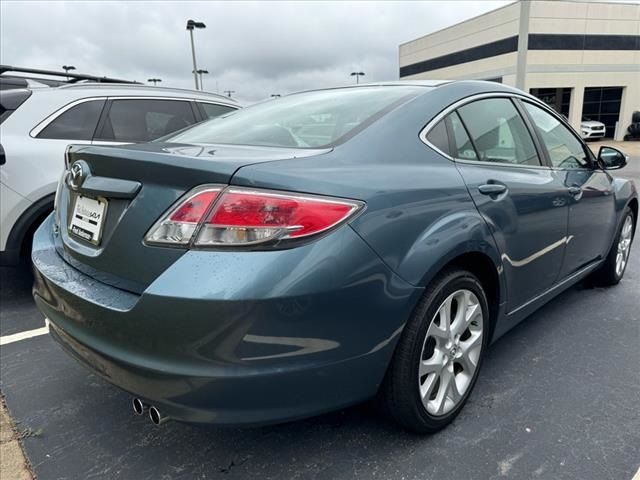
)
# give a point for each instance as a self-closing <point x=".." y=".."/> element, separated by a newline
<point x="513" y="97"/>
<point x="44" y="123"/>
<point x="593" y="164"/>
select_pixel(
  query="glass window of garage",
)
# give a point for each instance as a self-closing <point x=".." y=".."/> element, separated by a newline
<point x="499" y="133"/>
<point x="145" y="120"/>
<point x="565" y="150"/>
<point x="213" y="110"/>
<point x="77" y="123"/>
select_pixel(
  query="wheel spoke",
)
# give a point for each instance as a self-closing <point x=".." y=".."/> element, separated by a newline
<point x="427" y="387"/>
<point x="443" y="389"/>
<point x="467" y="363"/>
<point x="454" y="393"/>
<point x="445" y="315"/>
<point x="432" y="365"/>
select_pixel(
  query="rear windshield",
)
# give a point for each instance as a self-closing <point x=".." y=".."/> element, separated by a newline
<point x="304" y="120"/>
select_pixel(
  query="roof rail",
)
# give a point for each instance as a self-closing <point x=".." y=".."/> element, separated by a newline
<point x="72" y="77"/>
<point x="150" y="87"/>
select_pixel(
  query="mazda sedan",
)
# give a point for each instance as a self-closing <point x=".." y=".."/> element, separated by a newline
<point x="325" y="248"/>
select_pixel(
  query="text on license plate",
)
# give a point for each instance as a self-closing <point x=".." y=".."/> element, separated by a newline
<point x="87" y="218"/>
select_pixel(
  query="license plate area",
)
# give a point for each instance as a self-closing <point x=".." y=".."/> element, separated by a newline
<point x="87" y="218"/>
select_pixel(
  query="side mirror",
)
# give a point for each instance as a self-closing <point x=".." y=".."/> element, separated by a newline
<point x="611" y="158"/>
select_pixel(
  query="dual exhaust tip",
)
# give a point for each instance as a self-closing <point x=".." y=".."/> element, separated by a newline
<point x="139" y="408"/>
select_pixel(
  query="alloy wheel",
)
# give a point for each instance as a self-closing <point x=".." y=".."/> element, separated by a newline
<point x="624" y="245"/>
<point x="451" y="352"/>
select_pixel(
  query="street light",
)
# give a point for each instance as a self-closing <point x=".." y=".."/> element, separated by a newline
<point x="66" y="68"/>
<point x="154" y="80"/>
<point x="229" y="92"/>
<point x="357" y="75"/>
<point x="276" y="95"/>
<point x="191" y="25"/>
<point x="200" y="72"/>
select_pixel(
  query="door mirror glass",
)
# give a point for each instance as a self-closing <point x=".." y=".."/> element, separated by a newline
<point x="611" y="158"/>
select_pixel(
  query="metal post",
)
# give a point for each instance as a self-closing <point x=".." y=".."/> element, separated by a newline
<point x="201" y="84"/>
<point x="193" y="54"/>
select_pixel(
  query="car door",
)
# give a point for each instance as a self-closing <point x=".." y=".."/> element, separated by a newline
<point x="592" y="217"/>
<point x="522" y="201"/>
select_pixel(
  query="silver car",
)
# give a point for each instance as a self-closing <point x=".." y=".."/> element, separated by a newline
<point x="37" y="124"/>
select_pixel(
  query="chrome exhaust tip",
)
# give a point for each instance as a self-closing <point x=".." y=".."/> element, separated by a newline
<point x="139" y="407"/>
<point x="156" y="417"/>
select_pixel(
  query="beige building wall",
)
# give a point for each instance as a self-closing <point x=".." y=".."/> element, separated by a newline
<point x="575" y="69"/>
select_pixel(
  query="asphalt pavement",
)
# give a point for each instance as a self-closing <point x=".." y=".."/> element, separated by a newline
<point x="557" y="398"/>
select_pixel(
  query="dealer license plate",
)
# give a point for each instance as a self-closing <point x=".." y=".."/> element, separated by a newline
<point x="88" y="218"/>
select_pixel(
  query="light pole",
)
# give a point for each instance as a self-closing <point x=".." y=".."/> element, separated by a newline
<point x="229" y="92"/>
<point x="66" y="69"/>
<point x="191" y="25"/>
<point x="357" y="75"/>
<point x="154" y="80"/>
<point x="200" y="72"/>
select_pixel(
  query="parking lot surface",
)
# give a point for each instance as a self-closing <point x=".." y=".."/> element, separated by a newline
<point x="557" y="398"/>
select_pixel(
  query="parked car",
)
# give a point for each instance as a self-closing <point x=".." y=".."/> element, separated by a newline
<point x="37" y="124"/>
<point x="248" y="270"/>
<point x="591" y="128"/>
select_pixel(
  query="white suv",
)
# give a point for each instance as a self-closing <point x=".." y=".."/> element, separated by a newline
<point x="592" y="128"/>
<point x="37" y="124"/>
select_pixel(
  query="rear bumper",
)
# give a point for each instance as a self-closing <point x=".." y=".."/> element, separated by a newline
<point x="235" y="338"/>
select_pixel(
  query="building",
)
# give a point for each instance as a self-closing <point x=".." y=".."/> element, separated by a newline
<point x="582" y="58"/>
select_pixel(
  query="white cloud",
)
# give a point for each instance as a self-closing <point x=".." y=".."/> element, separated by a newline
<point x="254" y="48"/>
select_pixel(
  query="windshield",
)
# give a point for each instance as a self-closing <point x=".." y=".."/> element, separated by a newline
<point x="304" y="120"/>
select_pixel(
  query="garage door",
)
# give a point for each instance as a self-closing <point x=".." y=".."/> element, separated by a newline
<point x="603" y="104"/>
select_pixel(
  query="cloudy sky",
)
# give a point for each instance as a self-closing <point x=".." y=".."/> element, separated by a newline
<point x="254" y="48"/>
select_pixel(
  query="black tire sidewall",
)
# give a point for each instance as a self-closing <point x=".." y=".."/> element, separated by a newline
<point x="456" y="280"/>
<point x="610" y="265"/>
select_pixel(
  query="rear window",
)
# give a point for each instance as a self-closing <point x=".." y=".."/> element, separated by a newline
<point x="10" y="100"/>
<point x="304" y="120"/>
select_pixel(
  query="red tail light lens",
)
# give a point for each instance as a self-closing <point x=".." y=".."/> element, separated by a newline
<point x="239" y="217"/>
<point x="179" y="225"/>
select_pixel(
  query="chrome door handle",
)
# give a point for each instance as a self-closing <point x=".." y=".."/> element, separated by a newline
<point x="492" y="189"/>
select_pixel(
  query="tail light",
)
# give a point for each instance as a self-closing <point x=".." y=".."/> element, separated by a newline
<point x="213" y="216"/>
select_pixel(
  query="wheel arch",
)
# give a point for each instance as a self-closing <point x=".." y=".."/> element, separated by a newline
<point x="25" y="226"/>
<point x="633" y="205"/>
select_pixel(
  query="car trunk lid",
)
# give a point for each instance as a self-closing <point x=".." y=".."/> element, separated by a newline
<point x="135" y="185"/>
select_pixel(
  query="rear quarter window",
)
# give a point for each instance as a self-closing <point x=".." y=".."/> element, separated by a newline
<point x="213" y="110"/>
<point x="77" y="123"/>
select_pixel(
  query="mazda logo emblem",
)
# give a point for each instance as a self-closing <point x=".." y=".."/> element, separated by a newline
<point x="76" y="175"/>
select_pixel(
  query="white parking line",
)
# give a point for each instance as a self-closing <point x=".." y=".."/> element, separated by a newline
<point x="16" y="337"/>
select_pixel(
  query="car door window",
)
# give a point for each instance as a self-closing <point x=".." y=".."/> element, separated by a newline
<point x="462" y="144"/>
<point x="565" y="150"/>
<point x="212" y="110"/>
<point x="145" y="120"/>
<point x="77" y="123"/>
<point x="499" y="132"/>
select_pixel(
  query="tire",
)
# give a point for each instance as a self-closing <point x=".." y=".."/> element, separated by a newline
<point x="424" y="344"/>
<point x="611" y="272"/>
